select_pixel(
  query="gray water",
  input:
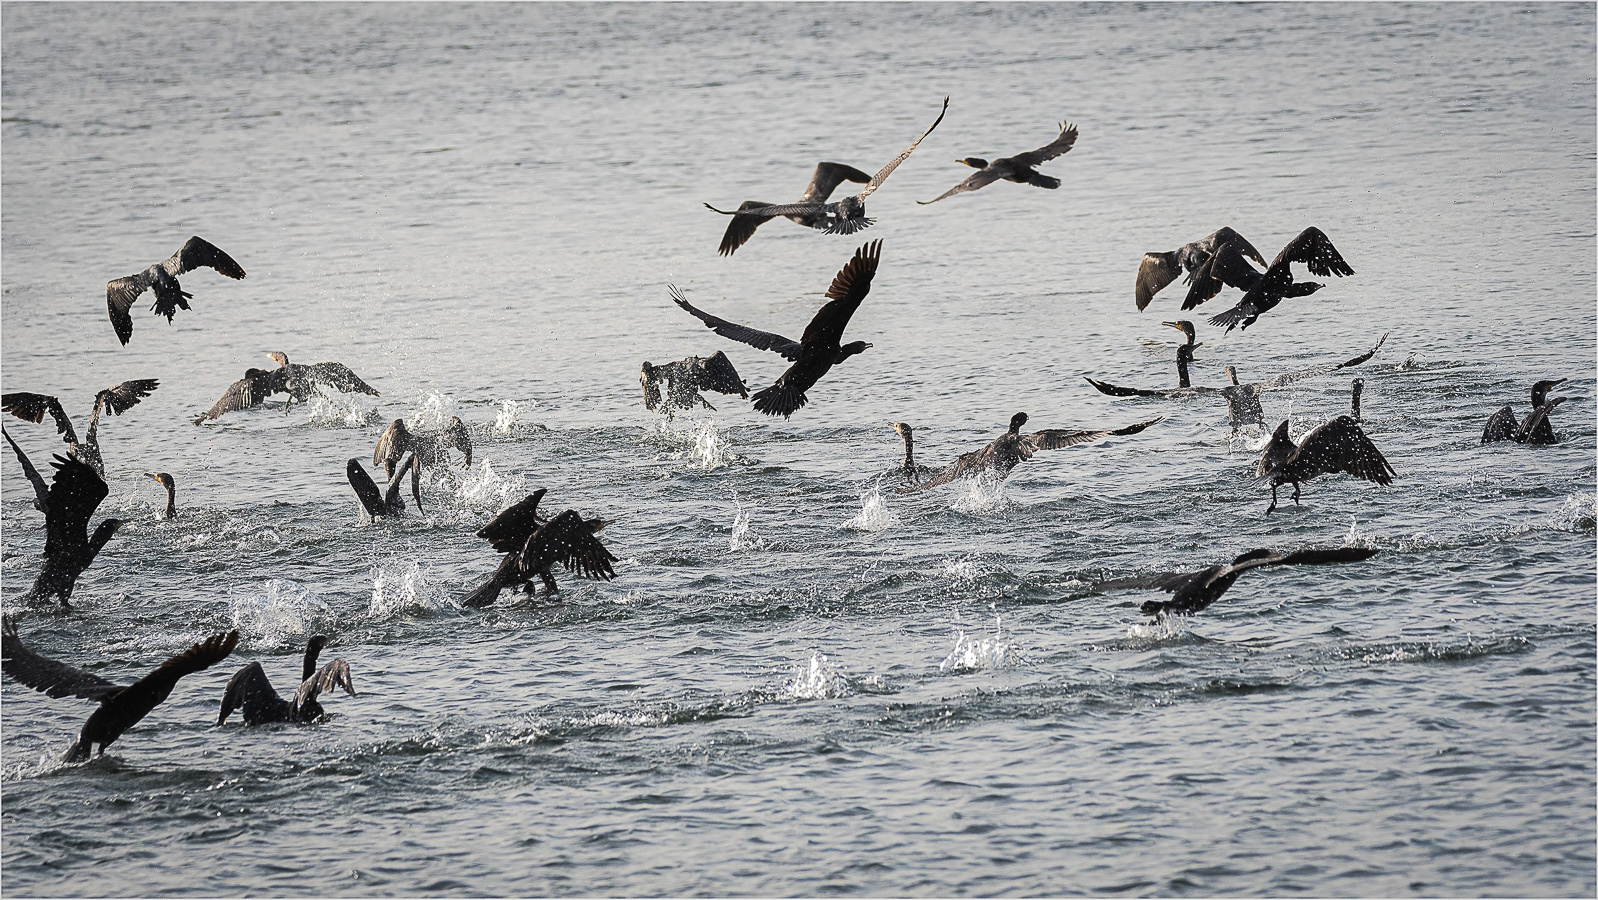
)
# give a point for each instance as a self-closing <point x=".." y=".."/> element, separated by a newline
<point x="800" y="682"/>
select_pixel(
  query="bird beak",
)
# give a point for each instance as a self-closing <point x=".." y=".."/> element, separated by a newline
<point x="1172" y="325"/>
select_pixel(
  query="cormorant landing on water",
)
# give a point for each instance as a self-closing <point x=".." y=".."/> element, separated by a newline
<point x="1193" y="591"/>
<point x="1262" y="291"/>
<point x="1012" y="448"/>
<point x="251" y="689"/>
<point x="1160" y="269"/>
<point x="823" y="182"/>
<point x="1018" y="168"/>
<point x="166" y="481"/>
<point x="391" y="501"/>
<point x="1337" y="446"/>
<point x="75" y="493"/>
<point x="685" y="379"/>
<point x="115" y="400"/>
<point x="532" y="545"/>
<point x="1501" y="426"/>
<point x="121" y="293"/>
<point x="121" y="706"/>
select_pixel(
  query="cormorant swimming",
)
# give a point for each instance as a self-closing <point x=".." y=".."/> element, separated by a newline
<point x="120" y="293"/>
<point x="817" y="350"/>
<point x="1264" y="290"/>
<point x="1337" y="446"/>
<point x="121" y="706"/>
<point x="1160" y="269"/>
<point x="1018" y="168"/>
<point x="41" y="490"/>
<point x="431" y="447"/>
<point x="75" y="493"/>
<point x="166" y="481"/>
<point x="908" y="467"/>
<point x="1184" y="357"/>
<point x="1193" y="591"/>
<point x="684" y="380"/>
<point x="301" y="382"/>
<point x="827" y="177"/>
<point x="532" y="545"/>
<point x="844" y="216"/>
<point x="389" y="502"/>
<point x="1011" y="449"/>
<point x="251" y="689"/>
<point x="116" y="400"/>
<point x="1501" y="426"/>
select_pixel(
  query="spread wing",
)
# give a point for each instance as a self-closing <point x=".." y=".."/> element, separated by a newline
<point x="340" y="376"/>
<point x="978" y="179"/>
<point x="392" y="443"/>
<point x="570" y="541"/>
<point x="365" y="488"/>
<point x="123" y="710"/>
<point x="760" y="340"/>
<point x="848" y="288"/>
<point x="967" y="463"/>
<point x="75" y="493"/>
<point x="1226" y="266"/>
<point x="1060" y="438"/>
<point x="335" y="674"/>
<point x="509" y="530"/>
<point x="251" y="689"/>
<point x="55" y="679"/>
<point x="197" y="252"/>
<point x="1340" y="446"/>
<point x="827" y="177"/>
<point x="1114" y="390"/>
<point x="1225" y="235"/>
<point x="1170" y="582"/>
<point x="751" y="210"/>
<point x="125" y="396"/>
<point x="1153" y="274"/>
<point x="1314" y="557"/>
<point x="1057" y="147"/>
<point x="120" y="294"/>
<point x="246" y="393"/>
<point x="1311" y="372"/>
<point x="41" y="490"/>
<point x="1501" y="426"/>
<point x="32" y="407"/>
<point x="885" y="171"/>
<point x="1314" y="249"/>
<point x="741" y="228"/>
<point x="715" y="373"/>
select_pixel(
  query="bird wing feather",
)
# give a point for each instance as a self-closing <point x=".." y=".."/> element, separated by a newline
<point x="335" y="674"/>
<point x="975" y="181"/>
<point x="570" y="541"/>
<point x="716" y="373"/>
<point x="120" y="295"/>
<point x="1225" y="267"/>
<point x="1314" y="249"/>
<point x="197" y="252"/>
<point x="125" y="708"/>
<point x="75" y="493"/>
<point x="849" y="287"/>
<point x="741" y="228"/>
<point x="248" y="688"/>
<point x="1154" y="273"/>
<point x="761" y="340"/>
<point x="1060" y="146"/>
<point x="340" y="376"/>
<point x="827" y="177"/>
<point x="885" y="171"/>
<point x="1501" y="426"/>
<point x="1060" y="438"/>
<point x="1340" y="446"/>
<point x="52" y="677"/>
<point x="509" y="531"/>
<point x="365" y="488"/>
<point x="31" y="407"/>
<point x="117" y="400"/>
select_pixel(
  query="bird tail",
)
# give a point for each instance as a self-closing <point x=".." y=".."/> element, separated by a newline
<point x="1038" y="179"/>
<point x="483" y="596"/>
<point x="780" y="400"/>
<point x="1229" y="319"/>
<point x="850" y="226"/>
<point x="79" y="751"/>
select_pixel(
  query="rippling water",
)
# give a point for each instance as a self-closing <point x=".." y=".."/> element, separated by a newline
<point x="802" y="682"/>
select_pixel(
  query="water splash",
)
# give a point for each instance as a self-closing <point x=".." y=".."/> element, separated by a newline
<point x="1357" y="536"/>
<point x="983" y="653"/>
<point x="703" y="441"/>
<point x="741" y="538"/>
<point x="874" y="514"/>
<point x="509" y="413"/>
<point x="406" y="591"/>
<point x="345" y="412"/>
<point x="279" y="609"/>
<point x="1579" y="512"/>
<point x="817" y="679"/>
<point x="433" y="410"/>
<point x="1161" y="628"/>
<point x="981" y="494"/>
<point x="484" y="488"/>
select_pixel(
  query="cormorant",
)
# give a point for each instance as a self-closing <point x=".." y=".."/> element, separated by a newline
<point x="532" y="545"/>
<point x="163" y="277"/>
<point x="1017" y="168"/>
<point x="1337" y="446"/>
<point x="908" y="468"/>
<point x="300" y="381"/>
<point x="1160" y="269"/>
<point x="1263" y="291"/>
<point x="116" y="400"/>
<point x="817" y="350"/>
<point x="684" y="380"/>
<point x="121" y="706"/>
<point x="389" y="502"/>
<point x="171" y="511"/>
<point x="827" y="177"/>
<point x="41" y="490"/>
<point x="75" y="493"/>
<point x="1011" y="449"/>
<point x="1501" y="426"/>
<point x="1193" y="591"/>
<point x="844" y="216"/>
<point x="431" y="447"/>
<point x="1358" y="388"/>
<point x="251" y="689"/>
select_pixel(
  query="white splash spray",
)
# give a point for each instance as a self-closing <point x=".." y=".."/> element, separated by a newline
<point x="817" y="679"/>
<point x="742" y="538"/>
<point x="970" y="655"/>
<point x="277" y="610"/>
<point x="406" y="589"/>
<point x="874" y="514"/>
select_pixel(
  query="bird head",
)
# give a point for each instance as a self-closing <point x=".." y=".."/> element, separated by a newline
<point x="279" y="357"/>
<point x="1231" y="373"/>
<point x="1185" y="327"/>
<point x="851" y="348"/>
<point x="163" y="477"/>
<point x="1016" y="421"/>
<point x="903" y="428"/>
<point x="1539" y="391"/>
<point x="316" y="643"/>
<point x="975" y="162"/>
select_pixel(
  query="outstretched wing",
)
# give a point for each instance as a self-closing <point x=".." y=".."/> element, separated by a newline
<point x="967" y="463"/>
<point x="1057" y="147"/>
<point x="1321" y="557"/>
<point x="41" y="490"/>
<point x="978" y="179"/>
<point x="741" y="228"/>
<point x="885" y="171"/>
<point x="827" y="177"/>
<point x="124" y="709"/>
<point x="75" y="493"/>
<point x="509" y="530"/>
<point x="1226" y="235"/>
<point x="570" y="541"/>
<point x="1153" y="274"/>
<point x="1170" y="582"/>
<point x="848" y="288"/>
<point x="1226" y="266"/>
<point x="1115" y="390"/>
<point x="340" y="376"/>
<point x="1501" y="426"/>
<point x="120" y="294"/>
<point x="392" y="443"/>
<point x="251" y="689"/>
<point x="335" y="674"/>
<point x="1314" y="249"/>
<point x="1060" y="438"/>
<point x="125" y="396"/>
<point x="1311" y="372"/>
<point x="197" y="252"/>
<point x="55" y="679"/>
<point x="760" y="340"/>
<point x="1340" y="446"/>
<point x="715" y="373"/>
<point x="242" y="394"/>
<point x="365" y="488"/>
<point x="32" y="407"/>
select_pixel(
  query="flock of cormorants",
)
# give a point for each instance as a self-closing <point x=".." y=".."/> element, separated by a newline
<point x="532" y="545"/>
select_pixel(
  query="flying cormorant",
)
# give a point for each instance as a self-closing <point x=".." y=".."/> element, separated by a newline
<point x="171" y="511"/>
<point x="41" y="490"/>
<point x="844" y="216"/>
<point x="1018" y="168"/>
<point x="391" y="501"/>
<point x="1263" y="291"/>
<point x="817" y="350"/>
<point x="1160" y="269"/>
<point x="75" y="493"/>
<point x="431" y="447"/>
<point x="121" y="706"/>
<point x="251" y="689"/>
<point x="116" y="400"/>
<point x="1012" y="448"/>
<point x="532" y="545"/>
<point x="684" y="380"/>
<point x="827" y="177"/>
<point x="1501" y="426"/>
<point x="1337" y="446"/>
<point x="1193" y="591"/>
<point x="120" y="293"/>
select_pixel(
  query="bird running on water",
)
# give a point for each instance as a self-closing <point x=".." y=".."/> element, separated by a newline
<point x="1018" y="168"/>
<point x="120" y="293"/>
<point x="75" y="493"/>
<point x="532" y="545"/>
<point x="1337" y="446"/>
<point x="1193" y="591"/>
<point x="1012" y="448"/>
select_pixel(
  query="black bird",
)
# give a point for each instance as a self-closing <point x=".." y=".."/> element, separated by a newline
<point x="120" y="293"/>
<point x="75" y="493"/>
<point x="115" y="400"/>
<point x="1160" y="269"/>
<point x="1018" y="168"/>
<point x="251" y="689"/>
<point x="41" y="490"/>
<point x="1353" y="410"/>
<point x="532" y="545"/>
<point x="389" y="502"/>
<point x="121" y="706"/>
<point x="1193" y="591"/>
<point x="844" y="216"/>
<point x="1263" y="291"/>
<point x="908" y="467"/>
<point x="431" y="447"/>
<point x="1337" y="446"/>
<point x="685" y="379"/>
<point x="1012" y="448"/>
<point x="171" y="511"/>
<point x="817" y="350"/>
<point x="246" y="393"/>
<point x="1501" y="426"/>
<point x="827" y="177"/>
<point x="301" y="382"/>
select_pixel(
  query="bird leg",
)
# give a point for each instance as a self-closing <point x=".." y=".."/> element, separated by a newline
<point x="1295" y="493"/>
<point x="549" y="583"/>
<point x="1268" y="509"/>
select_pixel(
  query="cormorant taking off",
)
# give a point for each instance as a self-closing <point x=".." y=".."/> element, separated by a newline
<point x="818" y="350"/>
<point x="827" y="177"/>
<point x="121" y="706"/>
<point x="532" y="545"/>
<point x="1193" y="591"/>
<point x="171" y="511"/>
<point x="1017" y="168"/>
<point x="1012" y="448"/>
<point x="75" y="493"/>
<point x="844" y="216"/>
<point x="41" y="490"/>
<point x="301" y="382"/>
<point x="431" y="447"/>
<point x="684" y="380"/>
<point x="1501" y="426"/>
<point x="251" y="689"/>
<point x="908" y="468"/>
<point x="1337" y="446"/>
<point x="1160" y="269"/>
<point x="120" y="293"/>
<point x="389" y="502"/>
<point x="1263" y="291"/>
<point x="116" y="400"/>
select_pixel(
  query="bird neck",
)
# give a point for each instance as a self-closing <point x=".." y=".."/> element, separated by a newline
<point x="1355" y="404"/>
<point x="1184" y="353"/>
<point x="312" y="652"/>
<point x="909" y="465"/>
